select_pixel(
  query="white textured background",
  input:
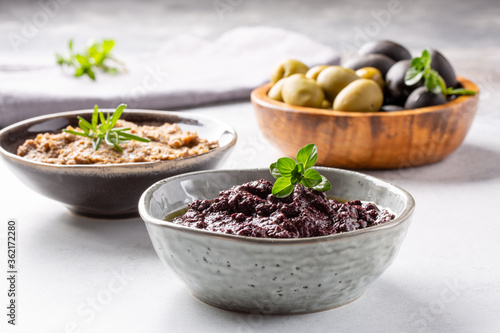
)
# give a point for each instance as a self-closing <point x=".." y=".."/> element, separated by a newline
<point x="447" y="275"/>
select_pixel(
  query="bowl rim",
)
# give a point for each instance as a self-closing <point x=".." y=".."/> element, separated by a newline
<point x="403" y="217"/>
<point x="259" y="96"/>
<point x="37" y="119"/>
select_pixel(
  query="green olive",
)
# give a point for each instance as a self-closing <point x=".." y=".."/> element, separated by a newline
<point x="275" y="91"/>
<point x="326" y="104"/>
<point x="335" y="78"/>
<point x="302" y="91"/>
<point x="379" y="61"/>
<point x="371" y="73"/>
<point x="287" y="68"/>
<point x="360" y="95"/>
<point x="314" y="71"/>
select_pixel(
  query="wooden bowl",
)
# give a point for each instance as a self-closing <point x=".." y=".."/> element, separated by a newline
<point x="368" y="140"/>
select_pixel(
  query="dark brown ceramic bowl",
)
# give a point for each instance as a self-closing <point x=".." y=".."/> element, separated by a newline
<point x="368" y="140"/>
<point x="110" y="191"/>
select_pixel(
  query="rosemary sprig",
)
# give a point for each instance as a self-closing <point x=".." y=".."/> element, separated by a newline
<point x="113" y="136"/>
<point x="95" y="56"/>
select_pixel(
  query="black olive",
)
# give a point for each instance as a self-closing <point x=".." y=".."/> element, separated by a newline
<point x="379" y="61"/>
<point x="421" y="97"/>
<point x="389" y="100"/>
<point x="388" y="48"/>
<point x="444" y="68"/>
<point x="391" y="108"/>
<point x="396" y="87"/>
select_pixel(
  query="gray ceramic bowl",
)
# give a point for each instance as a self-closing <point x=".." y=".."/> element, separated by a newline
<point x="108" y="190"/>
<point x="274" y="276"/>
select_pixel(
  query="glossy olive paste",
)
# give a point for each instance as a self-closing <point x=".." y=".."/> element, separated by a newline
<point x="251" y="210"/>
<point x="168" y="142"/>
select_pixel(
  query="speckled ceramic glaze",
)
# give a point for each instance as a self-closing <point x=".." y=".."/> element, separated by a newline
<point x="274" y="276"/>
<point x="108" y="190"/>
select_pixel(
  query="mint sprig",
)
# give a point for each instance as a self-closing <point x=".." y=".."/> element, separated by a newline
<point x="289" y="172"/>
<point x="113" y="136"/>
<point x="421" y="68"/>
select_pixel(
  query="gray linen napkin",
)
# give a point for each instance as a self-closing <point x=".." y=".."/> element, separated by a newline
<point x="185" y="71"/>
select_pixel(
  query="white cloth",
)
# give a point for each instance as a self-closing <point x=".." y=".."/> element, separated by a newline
<point x="185" y="71"/>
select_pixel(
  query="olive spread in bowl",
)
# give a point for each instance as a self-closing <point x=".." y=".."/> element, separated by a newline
<point x="276" y="275"/>
<point x="251" y="210"/>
